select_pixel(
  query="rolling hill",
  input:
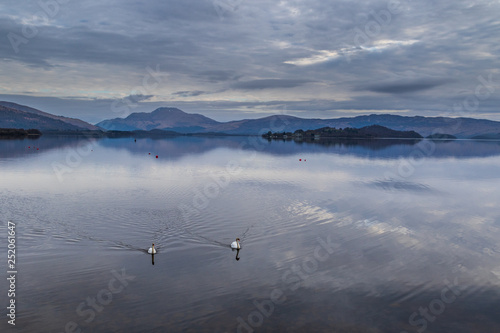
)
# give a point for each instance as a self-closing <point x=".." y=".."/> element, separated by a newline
<point x="14" y="115"/>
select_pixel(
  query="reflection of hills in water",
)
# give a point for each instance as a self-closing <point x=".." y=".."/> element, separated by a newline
<point x="177" y="147"/>
<point x="173" y="148"/>
<point x="19" y="147"/>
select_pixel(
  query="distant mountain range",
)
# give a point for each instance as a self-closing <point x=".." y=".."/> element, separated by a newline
<point x="13" y="115"/>
<point x="172" y="119"/>
<point x="176" y="120"/>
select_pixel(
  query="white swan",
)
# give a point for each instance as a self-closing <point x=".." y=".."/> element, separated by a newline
<point x="152" y="249"/>
<point x="236" y="244"/>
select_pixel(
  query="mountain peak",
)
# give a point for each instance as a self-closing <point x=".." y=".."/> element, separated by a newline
<point x="164" y="118"/>
<point x="167" y="111"/>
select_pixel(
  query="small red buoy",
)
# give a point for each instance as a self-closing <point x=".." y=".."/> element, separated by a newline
<point x="38" y="149"/>
<point x="300" y="159"/>
<point x="29" y="147"/>
<point x="149" y="153"/>
<point x="156" y="156"/>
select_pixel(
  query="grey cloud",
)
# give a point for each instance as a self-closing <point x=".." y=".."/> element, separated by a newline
<point x="270" y="84"/>
<point x="406" y="86"/>
<point x="217" y="75"/>
<point x="139" y="97"/>
<point x="189" y="93"/>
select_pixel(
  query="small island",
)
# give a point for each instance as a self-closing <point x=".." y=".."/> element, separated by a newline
<point x="367" y="132"/>
<point x="19" y="133"/>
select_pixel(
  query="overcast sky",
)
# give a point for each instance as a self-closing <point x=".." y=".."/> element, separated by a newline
<point x="235" y="59"/>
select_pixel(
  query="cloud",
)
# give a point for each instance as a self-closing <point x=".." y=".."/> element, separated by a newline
<point x="189" y="93"/>
<point x="217" y="75"/>
<point x="349" y="51"/>
<point x="406" y="86"/>
<point x="270" y="84"/>
<point x="139" y="98"/>
<point x="319" y="57"/>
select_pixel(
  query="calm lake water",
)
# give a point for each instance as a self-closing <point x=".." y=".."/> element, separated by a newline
<point x="352" y="236"/>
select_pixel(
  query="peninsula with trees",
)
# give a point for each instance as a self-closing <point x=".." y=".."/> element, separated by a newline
<point x="19" y="133"/>
<point x="367" y="132"/>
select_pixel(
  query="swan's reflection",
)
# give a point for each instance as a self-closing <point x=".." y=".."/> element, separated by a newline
<point x="237" y="254"/>
<point x="152" y="259"/>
